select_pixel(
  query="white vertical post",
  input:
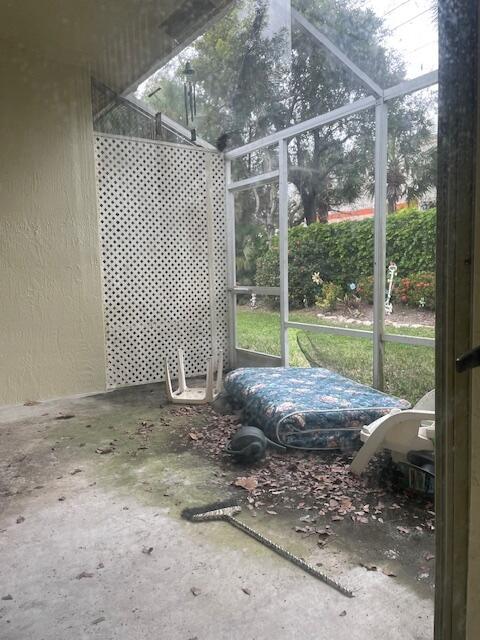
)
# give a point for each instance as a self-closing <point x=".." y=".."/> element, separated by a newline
<point x="283" y="246"/>
<point x="381" y="144"/>
<point x="211" y="252"/>
<point x="231" y="267"/>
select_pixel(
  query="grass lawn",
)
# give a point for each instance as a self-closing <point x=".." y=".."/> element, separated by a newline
<point x="409" y="371"/>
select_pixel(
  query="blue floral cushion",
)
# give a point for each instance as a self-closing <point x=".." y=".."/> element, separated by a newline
<point x="307" y="408"/>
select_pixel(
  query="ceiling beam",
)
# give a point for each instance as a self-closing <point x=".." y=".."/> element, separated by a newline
<point x="401" y="89"/>
<point x="337" y="53"/>
<point x="409" y="86"/>
<point x="301" y="127"/>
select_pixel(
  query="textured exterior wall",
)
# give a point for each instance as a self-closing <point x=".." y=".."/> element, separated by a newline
<point x="51" y="321"/>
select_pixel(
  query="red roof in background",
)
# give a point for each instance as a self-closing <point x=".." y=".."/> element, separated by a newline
<point x="356" y="214"/>
<point x="339" y="216"/>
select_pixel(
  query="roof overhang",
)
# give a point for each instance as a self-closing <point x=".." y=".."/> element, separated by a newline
<point x="121" y="41"/>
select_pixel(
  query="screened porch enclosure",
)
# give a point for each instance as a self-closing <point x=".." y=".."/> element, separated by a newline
<point x="278" y="301"/>
<point x="386" y="351"/>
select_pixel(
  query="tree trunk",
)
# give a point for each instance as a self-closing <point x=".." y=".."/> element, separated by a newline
<point x="322" y="212"/>
<point x="308" y="203"/>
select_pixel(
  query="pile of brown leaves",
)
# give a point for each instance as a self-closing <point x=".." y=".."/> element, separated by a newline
<point x="318" y="483"/>
<point x="321" y="484"/>
<point x="214" y="435"/>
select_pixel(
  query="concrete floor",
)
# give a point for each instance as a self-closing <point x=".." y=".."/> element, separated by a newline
<point x="76" y="527"/>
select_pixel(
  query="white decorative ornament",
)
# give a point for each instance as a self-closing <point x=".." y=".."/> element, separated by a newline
<point x="392" y="272"/>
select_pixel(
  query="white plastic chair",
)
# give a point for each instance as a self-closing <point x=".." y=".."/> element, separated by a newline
<point x="194" y="395"/>
<point x="399" y="432"/>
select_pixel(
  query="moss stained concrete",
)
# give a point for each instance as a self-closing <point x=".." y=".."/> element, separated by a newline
<point x="68" y="509"/>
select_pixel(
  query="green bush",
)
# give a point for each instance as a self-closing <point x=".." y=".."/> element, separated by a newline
<point x="365" y="289"/>
<point x="331" y="295"/>
<point x="268" y="270"/>
<point x="343" y="253"/>
<point x="418" y="290"/>
<point x="251" y="241"/>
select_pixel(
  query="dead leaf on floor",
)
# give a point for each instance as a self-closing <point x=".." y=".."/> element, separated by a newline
<point x="84" y="574"/>
<point x="147" y="550"/>
<point x="306" y="518"/>
<point x="75" y="471"/>
<point x="389" y="573"/>
<point x="61" y="499"/>
<point x="193" y="435"/>
<point x="104" y="450"/>
<point x="405" y="530"/>
<point x="271" y="513"/>
<point x="423" y="576"/>
<point x="30" y="403"/>
<point x="98" y="620"/>
<point x="246" y="591"/>
<point x="196" y="591"/>
<point x="7" y="597"/>
<point x="20" y="519"/>
<point x="342" y="614"/>
<point x="65" y="416"/>
<point x="369" y="567"/>
<point x="249" y="483"/>
<point x="429" y="556"/>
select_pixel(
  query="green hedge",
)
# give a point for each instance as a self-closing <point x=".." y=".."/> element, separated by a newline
<point x="343" y="253"/>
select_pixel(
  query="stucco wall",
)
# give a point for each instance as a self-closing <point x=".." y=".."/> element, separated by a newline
<point x="51" y="322"/>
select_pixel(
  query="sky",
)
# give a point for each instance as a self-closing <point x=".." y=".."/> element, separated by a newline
<point x="413" y="31"/>
<point x="411" y="25"/>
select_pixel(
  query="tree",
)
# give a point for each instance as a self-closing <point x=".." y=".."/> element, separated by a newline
<point x="412" y="150"/>
<point x="238" y="75"/>
<point x="248" y="88"/>
<point x="329" y="165"/>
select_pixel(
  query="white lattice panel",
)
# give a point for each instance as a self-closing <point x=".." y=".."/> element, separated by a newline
<point x="154" y="242"/>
